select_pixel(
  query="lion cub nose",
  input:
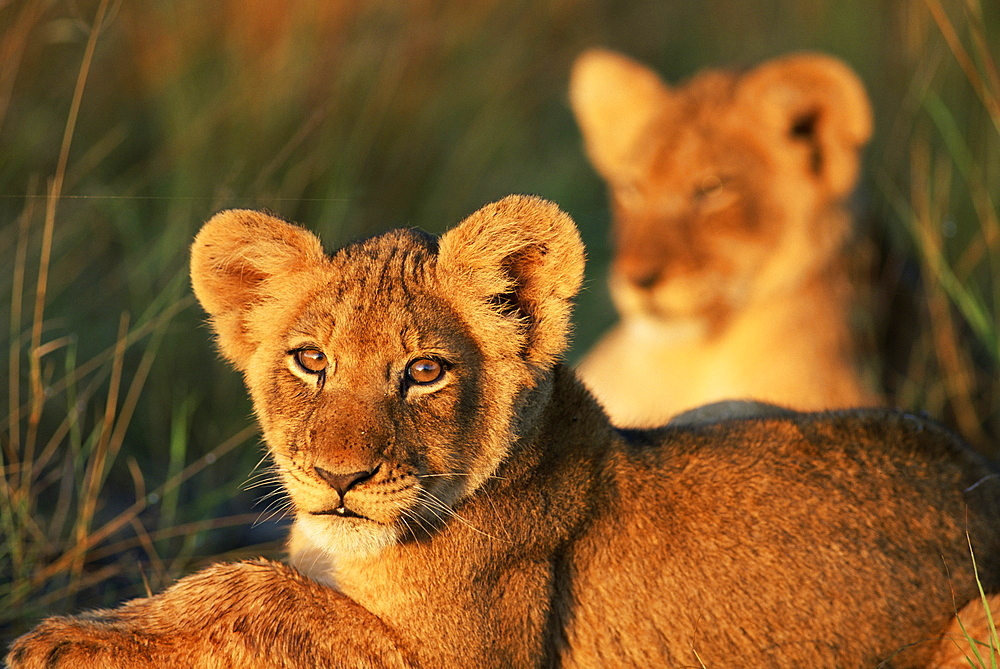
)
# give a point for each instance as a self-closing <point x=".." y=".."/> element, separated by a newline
<point x="643" y="275"/>
<point x="647" y="280"/>
<point x="344" y="482"/>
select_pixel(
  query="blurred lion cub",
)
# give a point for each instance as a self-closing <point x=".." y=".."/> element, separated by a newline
<point x="727" y="196"/>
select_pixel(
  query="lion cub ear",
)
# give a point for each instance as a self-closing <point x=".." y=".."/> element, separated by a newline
<point x="820" y="107"/>
<point x="235" y="259"/>
<point x="614" y="99"/>
<point x="522" y="259"/>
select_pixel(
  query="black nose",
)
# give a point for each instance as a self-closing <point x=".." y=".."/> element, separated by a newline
<point x="344" y="482"/>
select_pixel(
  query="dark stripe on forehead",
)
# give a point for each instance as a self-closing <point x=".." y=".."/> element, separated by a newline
<point x="386" y="270"/>
<point x="385" y="247"/>
<point x="387" y="265"/>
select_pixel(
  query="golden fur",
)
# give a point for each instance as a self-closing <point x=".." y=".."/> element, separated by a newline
<point x="727" y="196"/>
<point x="461" y="500"/>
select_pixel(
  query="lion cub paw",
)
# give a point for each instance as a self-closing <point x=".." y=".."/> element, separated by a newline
<point x="86" y="642"/>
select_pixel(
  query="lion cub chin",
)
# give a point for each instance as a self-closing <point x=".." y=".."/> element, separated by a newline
<point x="462" y="501"/>
<point x="727" y="196"/>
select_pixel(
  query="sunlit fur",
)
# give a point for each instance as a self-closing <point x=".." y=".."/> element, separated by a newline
<point x="493" y="517"/>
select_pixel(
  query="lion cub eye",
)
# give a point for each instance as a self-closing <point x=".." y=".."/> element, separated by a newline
<point x="423" y="371"/>
<point x="311" y="360"/>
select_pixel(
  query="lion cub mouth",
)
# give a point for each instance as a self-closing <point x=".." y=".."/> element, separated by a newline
<point x="340" y="511"/>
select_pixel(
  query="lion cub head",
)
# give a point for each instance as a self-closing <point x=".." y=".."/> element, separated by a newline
<point x="720" y="188"/>
<point x="391" y="377"/>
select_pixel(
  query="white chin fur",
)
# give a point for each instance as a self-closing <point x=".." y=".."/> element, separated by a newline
<point x="317" y="543"/>
<point x="653" y="330"/>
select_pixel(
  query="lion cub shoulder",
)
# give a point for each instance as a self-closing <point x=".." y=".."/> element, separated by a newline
<point x="727" y="196"/>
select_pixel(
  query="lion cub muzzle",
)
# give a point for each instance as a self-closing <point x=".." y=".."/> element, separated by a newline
<point x="342" y="483"/>
<point x="345" y="454"/>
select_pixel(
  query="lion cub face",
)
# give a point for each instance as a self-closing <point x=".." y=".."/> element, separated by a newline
<point x="387" y="377"/>
<point x="718" y="187"/>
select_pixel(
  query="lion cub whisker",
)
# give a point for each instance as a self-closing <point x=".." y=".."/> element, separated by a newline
<point x="452" y="474"/>
<point x="271" y="496"/>
<point x="263" y="481"/>
<point x="277" y="509"/>
<point x="271" y="475"/>
<point x="427" y="529"/>
<point x="434" y="504"/>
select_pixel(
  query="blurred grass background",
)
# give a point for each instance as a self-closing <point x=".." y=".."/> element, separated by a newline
<point x="126" y="444"/>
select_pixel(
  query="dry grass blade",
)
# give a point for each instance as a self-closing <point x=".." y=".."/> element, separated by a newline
<point x="958" y="375"/>
<point x="99" y="458"/>
<point x="108" y="529"/>
<point x="55" y="190"/>
<point x="965" y="61"/>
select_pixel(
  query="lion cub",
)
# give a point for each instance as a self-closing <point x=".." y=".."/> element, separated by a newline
<point x="462" y="501"/>
<point x="728" y="203"/>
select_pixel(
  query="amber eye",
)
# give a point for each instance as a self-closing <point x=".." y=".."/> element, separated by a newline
<point x="424" y="370"/>
<point x="311" y="360"/>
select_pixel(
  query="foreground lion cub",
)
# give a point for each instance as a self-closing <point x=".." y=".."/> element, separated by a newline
<point x="728" y="203"/>
<point x="461" y="500"/>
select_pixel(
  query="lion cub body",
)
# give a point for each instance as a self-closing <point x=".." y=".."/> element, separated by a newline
<point x="727" y="196"/>
<point x="462" y="501"/>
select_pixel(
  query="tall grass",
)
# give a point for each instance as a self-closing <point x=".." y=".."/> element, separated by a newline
<point x="939" y="179"/>
<point x="124" y="440"/>
<point x="67" y="528"/>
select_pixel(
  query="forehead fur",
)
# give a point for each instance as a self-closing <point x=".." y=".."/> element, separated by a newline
<point x="710" y="89"/>
<point x="392" y="287"/>
<point x="385" y="283"/>
<point x="384" y="266"/>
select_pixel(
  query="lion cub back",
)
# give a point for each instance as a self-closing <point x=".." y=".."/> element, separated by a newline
<point x="837" y="539"/>
<point x="727" y="196"/>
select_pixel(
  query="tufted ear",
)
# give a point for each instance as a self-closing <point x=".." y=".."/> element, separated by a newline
<point x="820" y="108"/>
<point x="235" y="258"/>
<point x="522" y="259"/>
<point x="614" y="98"/>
